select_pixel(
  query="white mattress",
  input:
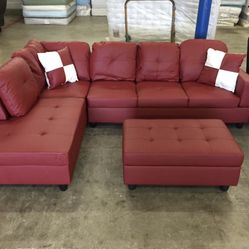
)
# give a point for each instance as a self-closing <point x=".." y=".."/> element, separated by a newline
<point x="49" y="11"/>
<point x="152" y="20"/>
<point x="83" y="10"/>
<point x="233" y="2"/>
<point x="56" y="21"/>
<point x="228" y="16"/>
<point x="99" y="7"/>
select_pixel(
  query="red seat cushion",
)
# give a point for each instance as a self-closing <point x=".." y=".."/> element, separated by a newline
<point x="80" y="52"/>
<point x="161" y="94"/>
<point x="112" y="94"/>
<point x="44" y="136"/>
<point x="113" y="61"/>
<point x="32" y="60"/>
<point x="18" y="88"/>
<point x="193" y="56"/>
<point x="76" y="90"/>
<point x="158" y="61"/>
<point x="180" y="143"/>
<point x="201" y="95"/>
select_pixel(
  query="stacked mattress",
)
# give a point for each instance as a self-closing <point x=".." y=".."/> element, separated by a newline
<point x="99" y="7"/>
<point x="244" y="17"/>
<point x="151" y="20"/>
<point x="230" y="11"/>
<point x="60" y="12"/>
<point x="83" y="7"/>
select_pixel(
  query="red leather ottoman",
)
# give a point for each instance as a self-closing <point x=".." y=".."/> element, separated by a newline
<point x="180" y="152"/>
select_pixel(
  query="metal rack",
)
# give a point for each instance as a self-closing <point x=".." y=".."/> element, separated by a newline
<point x="128" y="37"/>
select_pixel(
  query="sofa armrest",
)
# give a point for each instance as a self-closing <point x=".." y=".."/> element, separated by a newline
<point x="242" y="89"/>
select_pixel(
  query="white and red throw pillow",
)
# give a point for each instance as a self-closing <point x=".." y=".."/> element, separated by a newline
<point x="221" y="69"/>
<point x="59" y="67"/>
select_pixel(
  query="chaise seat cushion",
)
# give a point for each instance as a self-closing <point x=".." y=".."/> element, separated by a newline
<point x="70" y="90"/>
<point x="112" y="94"/>
<point x="44" y="137"/>
<point x="161" y="94"/>
<point x="201" y="95"/>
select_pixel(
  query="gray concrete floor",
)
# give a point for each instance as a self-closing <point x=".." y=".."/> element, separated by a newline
<point x="98" y="211"/>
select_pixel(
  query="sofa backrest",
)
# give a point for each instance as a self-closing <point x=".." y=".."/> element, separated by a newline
<point x="28" y="55"/>
<point x="18" y="87"/>
<point x="158" y="61"/>
<point x="113" y="61"/>
<point x="193" y="56"/>
<point x="80" y="52"/>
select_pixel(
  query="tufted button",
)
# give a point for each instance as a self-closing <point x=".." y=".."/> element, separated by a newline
<point x="149" y="128"/>
<point x="56" y="106"/>
<point x="43" y="133"/>
<point x="179" y="140"/>
<point x="151" y="140"/>
<point x="176" y="128"/>
<point x="51" y="118"/>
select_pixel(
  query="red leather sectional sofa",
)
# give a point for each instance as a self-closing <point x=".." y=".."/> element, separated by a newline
<point x="117" y="81"/>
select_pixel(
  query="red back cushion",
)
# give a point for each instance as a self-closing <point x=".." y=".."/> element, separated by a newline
<point x="158" y="61"/>
<point x="113" y="61"/>
<point x="35" y="46"/>
<point x="193" y="57"/>
<point x="80" y="53"/>
<point x="34" y="64"/>
<point x="3" y="113"/>
<point x="18" y="88"/>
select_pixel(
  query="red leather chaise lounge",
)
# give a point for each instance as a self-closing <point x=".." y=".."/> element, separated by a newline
<point x="41" y="145"/>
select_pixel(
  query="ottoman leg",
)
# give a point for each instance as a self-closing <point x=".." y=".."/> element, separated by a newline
<point x="239" y="125"/>
<point x="93" y="125"/>
<point x="224" y="188"/>
<point x="63" y="187"/>
<point x="132" y="187"/>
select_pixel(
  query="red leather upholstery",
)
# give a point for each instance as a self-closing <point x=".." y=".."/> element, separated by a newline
<point x="80" y="52"/>
<point x="113" y="94"/>
<point x="161" y="94"/>
<point x="35" y="67"/>
<point x="3" y="113"/>
<point x="18" y="88"/>
<point x="173" y="147"/>
<point x="52" y="132"/>
<point x="158" y="61"/>
<point x="201" y="95"/>
<point x="35" y="46"/>
<point x="111" y="114"/>
<point x="193" y="56"/>
<point x="242" y="89"/>
<point x="113" y="61"/>
<point x="76" y="90"/>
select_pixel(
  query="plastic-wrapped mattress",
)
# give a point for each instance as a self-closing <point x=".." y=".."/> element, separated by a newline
<point x="56" y="21"/>
<point x="99" y="7"/>
<point x="49" y="11"/>
<point x="151" y="20"/>
<point x="233" y="2"/>
<point x="83" y="7"/>
<point x="46" y="2"/>
<point x="229" y="15"/>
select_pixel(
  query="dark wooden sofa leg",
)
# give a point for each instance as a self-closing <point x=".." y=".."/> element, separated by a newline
<point x="132" y="187"/>
<point x="224" y="188"/>
<point x="239" y="125"/>
<point x="93" y="125"/>
<point x="63" y="187"/>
